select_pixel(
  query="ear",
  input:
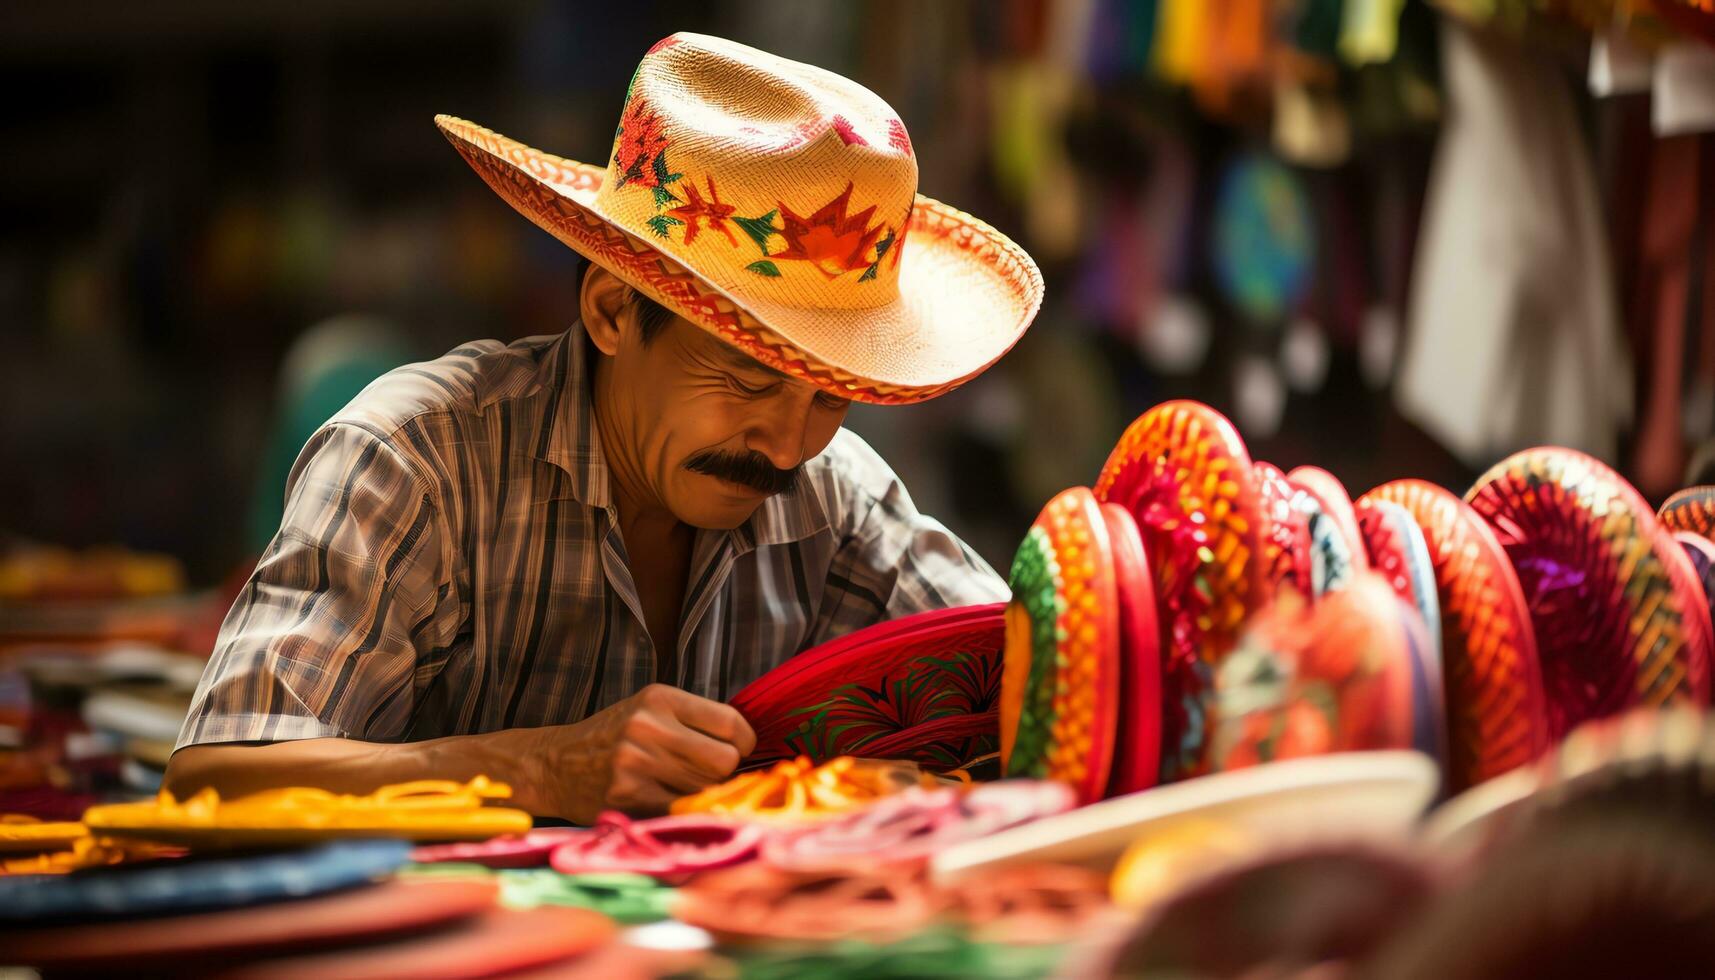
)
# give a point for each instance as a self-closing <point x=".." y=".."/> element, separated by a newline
<point x="603" y="305"/>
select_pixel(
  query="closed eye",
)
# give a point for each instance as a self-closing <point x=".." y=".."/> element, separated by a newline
<point x="749" y="390"/>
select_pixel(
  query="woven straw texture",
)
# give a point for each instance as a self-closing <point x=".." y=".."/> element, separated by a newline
<point x="1185" y="475"/>
<point x="1615" y="625"/>
<point x="774" y="204"/>
<point x="1496" y="720"/>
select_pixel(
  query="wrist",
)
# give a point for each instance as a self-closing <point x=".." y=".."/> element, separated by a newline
<point x="512" y="757"/>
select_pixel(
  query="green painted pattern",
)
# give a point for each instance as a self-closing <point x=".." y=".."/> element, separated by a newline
<point x="1035" y="582"/>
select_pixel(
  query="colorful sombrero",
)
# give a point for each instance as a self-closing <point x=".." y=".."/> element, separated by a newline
<point x="1061" y="685"/>
<point x="1184" y="474"/>
<point x="203" y="942"/>
<point x="923" y="688"/>
<point x="1286" y="548"/>
<point x="1701" y="551"/>
<point x="1309" y="680"/>
<point x="1691" y="509"/>
<point x="188" y="885"/>
<point x="1619" y="617"/>
<point x="1496" y="719"/>
<point x="1334" y="502"/>
<point x="774" y="205"/>
<point x="1398" y="553"/>
<point x="1137" y="741"/>
<point x="1333" y="562"/>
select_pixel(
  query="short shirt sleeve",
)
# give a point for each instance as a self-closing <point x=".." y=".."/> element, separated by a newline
<point x="324" y="639"/>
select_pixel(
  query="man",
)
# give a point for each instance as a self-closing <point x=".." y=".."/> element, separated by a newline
<point x="550" y="562"/>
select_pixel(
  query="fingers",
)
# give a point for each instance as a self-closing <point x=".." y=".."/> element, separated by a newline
<point x="712" y="718"/>
<point x="673" y="744"/>
<point x="669" y="740"/>
<point x="647" y="780"/>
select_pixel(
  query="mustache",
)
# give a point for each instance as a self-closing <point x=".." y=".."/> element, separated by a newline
<point x="749" y="469"/>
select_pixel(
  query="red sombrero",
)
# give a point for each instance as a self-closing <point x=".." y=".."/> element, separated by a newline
<point x="1286" y="548"/>
<point x="922" y="688"/>
<point x="1618" y="614"/>
<point x="774" y="205"/>
<point x="1183" y="473"/>
<point x="1496" y="719"/>
<point x="1137" y="740"/>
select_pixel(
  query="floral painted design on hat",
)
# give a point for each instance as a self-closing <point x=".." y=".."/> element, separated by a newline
<point x="640" y="152"/>
<point x="696" y="211"/>
<point x="834" y="242"/>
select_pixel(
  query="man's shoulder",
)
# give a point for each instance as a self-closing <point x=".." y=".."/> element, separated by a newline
<point x="849" y="476"/>
<point x="463" y="382"/>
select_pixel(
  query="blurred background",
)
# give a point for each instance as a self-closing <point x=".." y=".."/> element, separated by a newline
<point x="1387" y="237"/>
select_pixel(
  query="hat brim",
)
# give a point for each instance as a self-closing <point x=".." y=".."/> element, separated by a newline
<point x="967" y="292"/>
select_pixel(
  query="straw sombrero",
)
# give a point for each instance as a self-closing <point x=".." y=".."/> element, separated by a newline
<point x="775" y="205"/>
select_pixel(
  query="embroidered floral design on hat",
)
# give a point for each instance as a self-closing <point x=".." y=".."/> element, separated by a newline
<point x="640" y="154"/>
<point x="714" y="211"/>
<point x="834" y="242"/>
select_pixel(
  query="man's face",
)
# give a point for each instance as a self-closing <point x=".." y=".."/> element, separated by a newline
<point x="712" y="432"/>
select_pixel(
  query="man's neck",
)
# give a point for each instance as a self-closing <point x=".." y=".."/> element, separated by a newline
<point x="657" y="544"/>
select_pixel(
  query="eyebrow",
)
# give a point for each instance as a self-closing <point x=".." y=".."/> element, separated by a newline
<point x="734" y="358"/>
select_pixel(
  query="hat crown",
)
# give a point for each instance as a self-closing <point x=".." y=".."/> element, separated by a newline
<point x="773" y="178"/>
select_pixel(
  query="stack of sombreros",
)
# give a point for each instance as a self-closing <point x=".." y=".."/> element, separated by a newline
<point x="1130" y="600"/>
<point x="1198" y="611"/>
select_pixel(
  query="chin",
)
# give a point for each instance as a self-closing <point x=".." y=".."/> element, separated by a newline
<point x="718" y="511"/>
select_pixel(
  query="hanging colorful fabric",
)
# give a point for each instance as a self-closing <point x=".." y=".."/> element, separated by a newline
<point x="1618" y="614"/>
<point x="1060" y="687"/>
<point x="1137" y="737"/>
<point x="1691" y="509"/>
<point x="1496" y="718"/>
<point x="670" y="848"/>
<point x="921" y="688"/>
<point x="1183" y="473"/>
<point x="1310" y="680"/>
<point x="1399" y="554"/>
<point x="1263" y="240"/>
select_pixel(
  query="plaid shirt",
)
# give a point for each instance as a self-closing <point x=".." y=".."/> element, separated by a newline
<point x="450" y="562"/>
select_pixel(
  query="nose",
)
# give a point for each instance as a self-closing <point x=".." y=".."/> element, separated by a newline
<point x="782" y="431"/>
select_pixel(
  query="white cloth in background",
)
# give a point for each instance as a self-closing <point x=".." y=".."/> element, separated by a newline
<point x="1514" y="337"/>
<point x="1684" y="90"/>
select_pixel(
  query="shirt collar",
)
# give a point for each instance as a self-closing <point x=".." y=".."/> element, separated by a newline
<point x="573" y="444"/>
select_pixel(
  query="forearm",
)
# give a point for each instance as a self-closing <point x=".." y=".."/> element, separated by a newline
<point x="350" y="766"/>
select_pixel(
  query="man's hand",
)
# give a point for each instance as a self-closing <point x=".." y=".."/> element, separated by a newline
<point x="640" y="754"/>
